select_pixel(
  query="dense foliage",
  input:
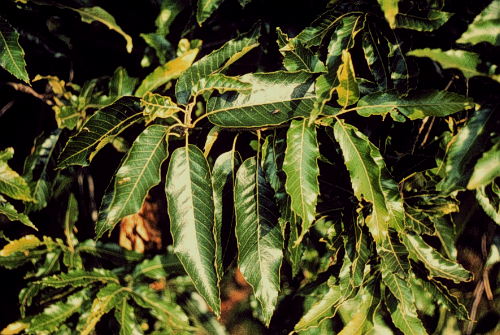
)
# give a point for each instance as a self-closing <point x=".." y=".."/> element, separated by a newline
<point x="337" y="158"/>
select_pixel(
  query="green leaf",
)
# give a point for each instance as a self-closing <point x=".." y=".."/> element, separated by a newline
<point x="191" y="211"/>
<point x="485" y="27"/>
<point x="11" y="53"/>
<point x="26" y="296"/>
<point x="205" y="9"/>
<point x="109" y="251"/>
<point x="390" y="9"/>
<point x="125" y="315"/>
<point x="53" y="316"/>
<point x="465" y="147"/>
<point x="13" y="215"/>
<point x="220" y="83"/>
<point x="91" y="14"/>
<point x="158" y="267"/>
<point x="357" y="322"/>
<point x="214" y="62"/>
<point x="275" y="98"/>
<point x="370" y="180"/>
<point x="11" y="183"/>
<point x="121" y="83"/>
<point x="79" y="278"/>
<point x="138" y="173"/>
<point x="302" y="171"/>
<point x="416" y="106"/>
<point x="347" y="90"/>
<point x="437" y="264"/>
<point x="374" y="49"/>
<point x="38" y="167"/>
<point x="166" y="72"/>
<point x="296" y="56"/>
<point x="107" y="298"/>
<point x="222" y="179"/>
<point x="433" y="20"/>
<point x="100" y="129"/>
<point x="168" y="12"/>
<point x="465" y="61"/>
<point x="25" y="243"/>
<point x="158" y="106"/>
<point x="259" y="238"/>
<point x="488" y="198"/>
<point x="162" y="47"/>
<point x="486" y="169"/>
<point x="406" y="320"/>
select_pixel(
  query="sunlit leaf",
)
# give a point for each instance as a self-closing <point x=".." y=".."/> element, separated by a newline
<point x="357" y="322"/>
<point x="258" y="234"/>
<point x="25" y="243"/>
<point x="99" y="130"/>
<point x="488" y="198"/>
<point x="214" y="62"/>
<point x="276" y="97"/>
<point x="11" y="183"/>
<point x="125" y="315"/>
<point x="302" y="171"/>
<point x="191" y="211"/>
<point x="433" y="20"/>
<point x="12" y="214"/>
<point x="390" y="9"/>
<point x="80" y="278"/>
<point x="486" y="169"/>
<point x="370" y="180"/>
<point x="158" y="106"/>
<point x="11" y="53"/>
<point x="347" y="90"/>
<point x="166" y="72"/>
<point x="205" y="9"/>
<point x="406" y="320"/>
<point x="485" y="26"/>
<point x="220" y="83"/>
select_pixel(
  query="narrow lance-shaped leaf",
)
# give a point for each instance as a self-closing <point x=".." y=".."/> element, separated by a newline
<point x="488" y="198"/>
<point x="215" y="62"/>
<point x="486" y="169"/>
<point x="107" y="298"/>
<point x="302" y="171"/>
<point x="166" y="72"/>
<point x="275" y="98"/>
<point x="25" y="243"/>
<point x="347" y="90"/>
<point x="406" y="320"/>
<point x="433" y="20"/>
<point x="357" y="322"/>
<point x="375" y="49"/>
<point x="91" y="14"/>
<point x="465" y="148"/>
<point x="258" y="234"/>
<point x="222" y="178"/>
<point x="191" y="211"/>
<point x="11" y="183"/>
<point x="53" y="316"/>
<point x="205" y="9"/>
<point x="125" y="315"/>
<point x="370" y="180"/>
<point x="78" y="278"/>
<point x="436" y="263"/>
<point x="12" y="214"/>
<point x="220" y="83"/>
<point x="484" y="28"/>
<point x="138" y="173"/>
<point x="158" y="267"/>
<point x="416" y="106"/>
<point x="11" y="53"/>
<point x="99" y="130"/>
<point x="390" y="9"/>
<point x="296" y="56"/>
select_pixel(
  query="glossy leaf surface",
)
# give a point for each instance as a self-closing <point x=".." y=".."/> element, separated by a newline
<point x="11" y="183"/>
<point x="484" y="28"/>
<point x="11" y="53"/>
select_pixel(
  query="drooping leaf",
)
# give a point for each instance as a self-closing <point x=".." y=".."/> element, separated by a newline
<point x="347" y="90"/>
<point x="433" y="20"/>
<point x="465" y="148"/>
<point x="12" y="214"/>
<point x="370" y="180"/>
<point x="212" y="137"/>
<point x="214" y="62"/>
<point x="375" y="48"/>
<point x="99" y="130"/>
<point x="79" y="278"/>
<point x="465" y="61"/>
<point x="25" y="243"/>
<point x="109" y="251"/>
<point x="275" y="98"/>
<point x="107" y="298"/>
<point x="158" y="267"/>
<point x="406" y="320"/>
<point x="191" y="211"/>
<point x="357" y="322"/>
<point x="302" y="171"/>
<point x="416" y="106"/>
<point x="11" y="53"/>
<point x="436" y="263"/>
<point x="359" y="253"/>
<point x="197" y="310"/>
<point x="488" y="198"/>
<point x="258" y="234"/>
<point x="121" y="83"/>
<point x="138" y="173"/>
<point x="26" y="296"/>
<point x="223" y="175"/>
<point x="205" y="9"/>
<point x="166" y="72"/>
<point x="221" y="83"/>
<point x="296" y="56"/>
<point x="91" y="14"/>
<point x="485" y="27"/>
<point x="390" y="9"/>
<point x="486" y="169"/>
<point x="53" y="316"/>
<point x="11" y="183"/>
<point x="125" y="315"/>
<point x="37" y="170"/>
<point x="168" y="12"/>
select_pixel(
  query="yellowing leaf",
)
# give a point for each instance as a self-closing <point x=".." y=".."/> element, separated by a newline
<point x="24" y="243"/>
<point x="347" y="90"/>
<point x="11" y="183"/>
<point x="390" y="9"/>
